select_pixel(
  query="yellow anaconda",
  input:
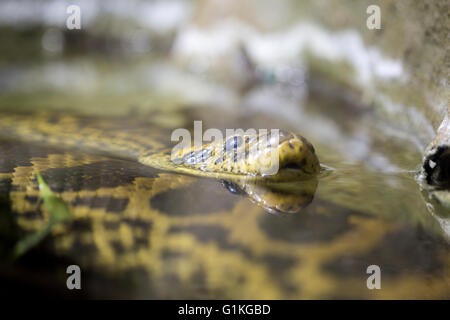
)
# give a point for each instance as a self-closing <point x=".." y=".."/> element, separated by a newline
<point x="237" y="159"/>
<point x="232" y="158"/>
<point x="141" y="229"/>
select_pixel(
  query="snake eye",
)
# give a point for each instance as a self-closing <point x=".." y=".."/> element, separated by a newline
<point x="232" y="187"/>
<point x="233" y="143"/>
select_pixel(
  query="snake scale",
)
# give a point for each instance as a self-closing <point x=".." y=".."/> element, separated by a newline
<point x="146" y="227"/>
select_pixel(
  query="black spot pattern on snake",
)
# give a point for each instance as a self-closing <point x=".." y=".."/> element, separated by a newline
<point x="406" y="251"/>
<point x="103" y="174"/>
<point x="141" y="242"/>
<point x="299" y="228"/>
<point x="81" y="225"/>
<point x="202" y="233"/>
<point x="278" y="264"/>
<point x="136" y="223"/>
<point x="117" y="246"/>
<point x="32" y="215"/>
<point x="172" y="254"/>
<point x="112" y="225"/>
<point x="31" y="199"/>
<point x="199" y="277"/>
<point x="5" y="186"/>
<point x="14" y="154"/>
<point x="204" y="196"/>
<point x="84" y="248"/>
<point x="111" y="204"/>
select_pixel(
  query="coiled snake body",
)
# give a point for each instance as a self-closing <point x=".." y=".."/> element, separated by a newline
<point x="144" y="226"/>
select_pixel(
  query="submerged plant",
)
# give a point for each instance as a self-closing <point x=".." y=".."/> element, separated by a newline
<point x="58" y="212"/>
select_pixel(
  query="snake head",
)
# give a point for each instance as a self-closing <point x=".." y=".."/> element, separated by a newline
<point x="255" y="155"/>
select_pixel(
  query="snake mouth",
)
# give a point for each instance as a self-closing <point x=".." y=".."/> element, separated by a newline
<point x="297" y="154"/>
<point x="292" y="166"/>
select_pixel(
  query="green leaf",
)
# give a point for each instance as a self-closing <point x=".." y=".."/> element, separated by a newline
<point x="43" y="187"/>
<point x="56" y="207"/>
<point x="58" y="211"/>
<point x="31" y="240"/>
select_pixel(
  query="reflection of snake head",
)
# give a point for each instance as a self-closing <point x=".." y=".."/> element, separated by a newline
<point x="276" y="197"/>
<point x="245" y="155"/>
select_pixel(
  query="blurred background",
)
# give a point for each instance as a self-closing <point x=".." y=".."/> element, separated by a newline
<point x="265" y="56"/>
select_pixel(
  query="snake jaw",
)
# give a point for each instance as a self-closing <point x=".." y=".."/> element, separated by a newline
<point x="295" y="152"/>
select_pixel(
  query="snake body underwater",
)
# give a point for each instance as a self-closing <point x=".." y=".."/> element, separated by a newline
<point x="159" y="227"/>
